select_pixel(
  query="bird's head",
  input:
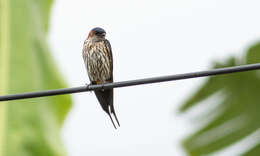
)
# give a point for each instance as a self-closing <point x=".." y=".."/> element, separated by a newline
<point x="97" y="34"/>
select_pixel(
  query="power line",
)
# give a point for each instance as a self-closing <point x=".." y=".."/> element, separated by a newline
<point x="218" y="71"/>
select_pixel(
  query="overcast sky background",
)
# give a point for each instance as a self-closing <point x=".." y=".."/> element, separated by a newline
<point x="149" y="38"/>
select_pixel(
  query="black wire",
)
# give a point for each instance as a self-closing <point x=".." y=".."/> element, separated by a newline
<point x="131" y="82"/>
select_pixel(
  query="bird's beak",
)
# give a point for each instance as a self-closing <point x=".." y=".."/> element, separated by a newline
<point x="103" y="34"/>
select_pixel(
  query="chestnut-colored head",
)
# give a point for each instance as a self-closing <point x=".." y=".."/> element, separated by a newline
<point x="97" y="34"/>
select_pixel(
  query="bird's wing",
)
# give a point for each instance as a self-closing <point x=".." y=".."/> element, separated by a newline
<point x="111" y="102"/>
<point x="110" y="55"/>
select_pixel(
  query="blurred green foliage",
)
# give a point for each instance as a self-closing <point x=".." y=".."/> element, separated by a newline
<point x="29" y="127"/>
<point x="236" y="114"/>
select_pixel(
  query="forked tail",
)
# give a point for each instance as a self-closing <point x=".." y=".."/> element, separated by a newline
<point x="105" y="98"/>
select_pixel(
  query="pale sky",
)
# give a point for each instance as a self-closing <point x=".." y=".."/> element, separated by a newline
<point x="149" y="38"/>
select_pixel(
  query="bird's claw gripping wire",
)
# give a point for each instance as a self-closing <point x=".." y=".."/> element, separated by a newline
<point x="88" y="86"/>
<point x="102" y="87"/>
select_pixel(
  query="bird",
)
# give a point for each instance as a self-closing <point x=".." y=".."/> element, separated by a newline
<point x="98" y="60"/>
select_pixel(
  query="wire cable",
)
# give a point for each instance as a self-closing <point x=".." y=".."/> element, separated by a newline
<point x="86" y="88"/>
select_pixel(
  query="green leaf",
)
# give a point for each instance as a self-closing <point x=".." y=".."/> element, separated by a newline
<point x="29" y="127"/>
<point x="253" y="152"/>
<point x="237" y="113"/>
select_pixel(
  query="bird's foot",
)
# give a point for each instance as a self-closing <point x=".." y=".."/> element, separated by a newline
<point x="88" y="86"/>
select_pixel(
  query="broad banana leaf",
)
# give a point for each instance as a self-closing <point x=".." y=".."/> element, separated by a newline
<point x="29" y="127"/>
<point x="236" y="113"/>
